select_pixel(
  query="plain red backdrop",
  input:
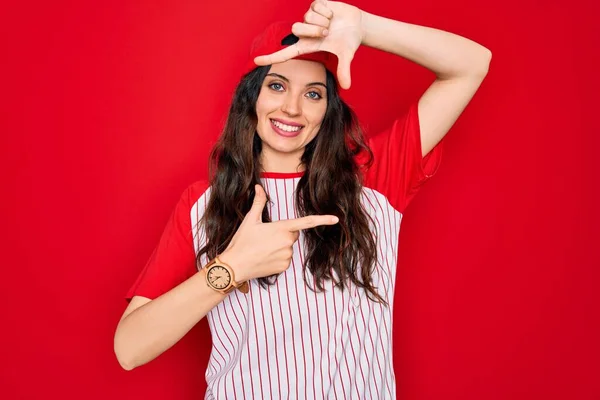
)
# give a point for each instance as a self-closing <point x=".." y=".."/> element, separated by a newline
<point x="109" y="109"/>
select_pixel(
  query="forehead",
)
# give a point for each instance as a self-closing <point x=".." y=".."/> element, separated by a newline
<point x="300" y="71"/>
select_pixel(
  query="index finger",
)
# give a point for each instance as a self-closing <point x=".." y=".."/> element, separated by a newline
<point x="279" y="56"/>
<point x="311" y="221"/>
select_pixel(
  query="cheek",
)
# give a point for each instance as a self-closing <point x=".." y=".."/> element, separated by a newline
<point x="260" y="107"/>
<point x="265" y="104"/>
<point x="315" y="119"/>
<point x="264" y="107"/>
<point x="316" y="114"/>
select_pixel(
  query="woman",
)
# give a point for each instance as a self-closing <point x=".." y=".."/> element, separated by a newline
<point x="301" y="307"/>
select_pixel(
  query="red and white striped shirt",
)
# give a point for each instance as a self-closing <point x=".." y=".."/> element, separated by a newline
<point x="287" y="341"/>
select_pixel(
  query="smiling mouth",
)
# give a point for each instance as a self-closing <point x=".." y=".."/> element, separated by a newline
<point x="286" y="130"/>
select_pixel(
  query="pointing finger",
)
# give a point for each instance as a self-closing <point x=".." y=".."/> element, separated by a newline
<point x="343" y="71"/>
<point x="279" y="56"/>
<point x="307" y="30"/>
<point x="311" y="221"/>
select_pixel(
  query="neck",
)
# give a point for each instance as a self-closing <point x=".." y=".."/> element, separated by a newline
<point x="278" y="162"/>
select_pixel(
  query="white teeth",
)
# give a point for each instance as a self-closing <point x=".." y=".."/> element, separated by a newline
<point x="285" y="127"/>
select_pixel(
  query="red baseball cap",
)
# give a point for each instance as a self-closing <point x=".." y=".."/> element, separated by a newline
<point x="278" y="36"/>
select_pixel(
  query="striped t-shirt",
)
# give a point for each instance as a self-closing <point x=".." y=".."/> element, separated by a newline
<point x="287" y="341"/>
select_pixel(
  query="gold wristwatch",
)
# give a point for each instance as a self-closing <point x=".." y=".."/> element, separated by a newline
<point x="220" y="277"/>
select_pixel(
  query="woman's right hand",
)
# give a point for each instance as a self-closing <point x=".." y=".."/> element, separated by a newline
<point x="260" y="249"/>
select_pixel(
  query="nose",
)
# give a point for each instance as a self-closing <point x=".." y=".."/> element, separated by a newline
<point x="291" y="104"/>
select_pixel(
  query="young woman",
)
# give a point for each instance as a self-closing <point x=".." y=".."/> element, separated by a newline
<point x="290" y="250"/>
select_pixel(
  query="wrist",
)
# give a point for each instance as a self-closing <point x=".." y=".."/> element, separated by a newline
<point x="229" y="258"/>
<point x="366" y="21"/>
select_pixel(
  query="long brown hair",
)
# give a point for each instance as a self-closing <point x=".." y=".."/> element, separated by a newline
<point x="331" y="184"/>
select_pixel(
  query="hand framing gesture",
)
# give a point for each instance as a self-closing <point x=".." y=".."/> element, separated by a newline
<point x="329" y="26"/>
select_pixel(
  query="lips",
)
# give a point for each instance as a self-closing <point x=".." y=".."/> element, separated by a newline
<point x="284" y="133"/>
<point x="290" y="123"/>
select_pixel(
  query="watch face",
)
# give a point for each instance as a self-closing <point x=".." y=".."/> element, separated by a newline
<point x="219" y="277"/>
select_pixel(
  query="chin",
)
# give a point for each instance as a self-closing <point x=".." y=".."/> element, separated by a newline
<point x="284" y="147"/>
<point x="283" y="144"/>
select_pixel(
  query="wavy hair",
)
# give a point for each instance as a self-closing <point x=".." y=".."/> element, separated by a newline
<point x="332" y="184"/>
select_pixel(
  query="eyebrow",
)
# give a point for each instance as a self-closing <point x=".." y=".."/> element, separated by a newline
<point x="288" y="81"/>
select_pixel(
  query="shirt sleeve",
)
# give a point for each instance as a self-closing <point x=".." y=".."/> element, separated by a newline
<point x="174" y="258"/>
<point x="399" y="169"/>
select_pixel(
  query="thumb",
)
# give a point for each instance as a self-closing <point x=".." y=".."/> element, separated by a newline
<point x="343" y="70"/>
<point x="260" y="199"/>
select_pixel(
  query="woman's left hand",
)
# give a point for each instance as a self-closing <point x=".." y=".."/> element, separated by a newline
<point x="329" y="26"/>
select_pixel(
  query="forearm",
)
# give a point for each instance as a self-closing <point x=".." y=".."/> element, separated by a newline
<point x="446" y="54"/>
<point x="157" y="325"/>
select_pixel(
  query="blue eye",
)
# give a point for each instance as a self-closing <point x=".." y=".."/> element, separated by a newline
<point x="276" y="86"/>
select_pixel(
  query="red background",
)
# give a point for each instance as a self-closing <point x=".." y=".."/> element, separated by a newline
<point x="109" y="109"/>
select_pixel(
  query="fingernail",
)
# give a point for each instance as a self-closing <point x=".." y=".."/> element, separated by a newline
<point x="335" y="220"/>
<point x="325" y="32"/>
